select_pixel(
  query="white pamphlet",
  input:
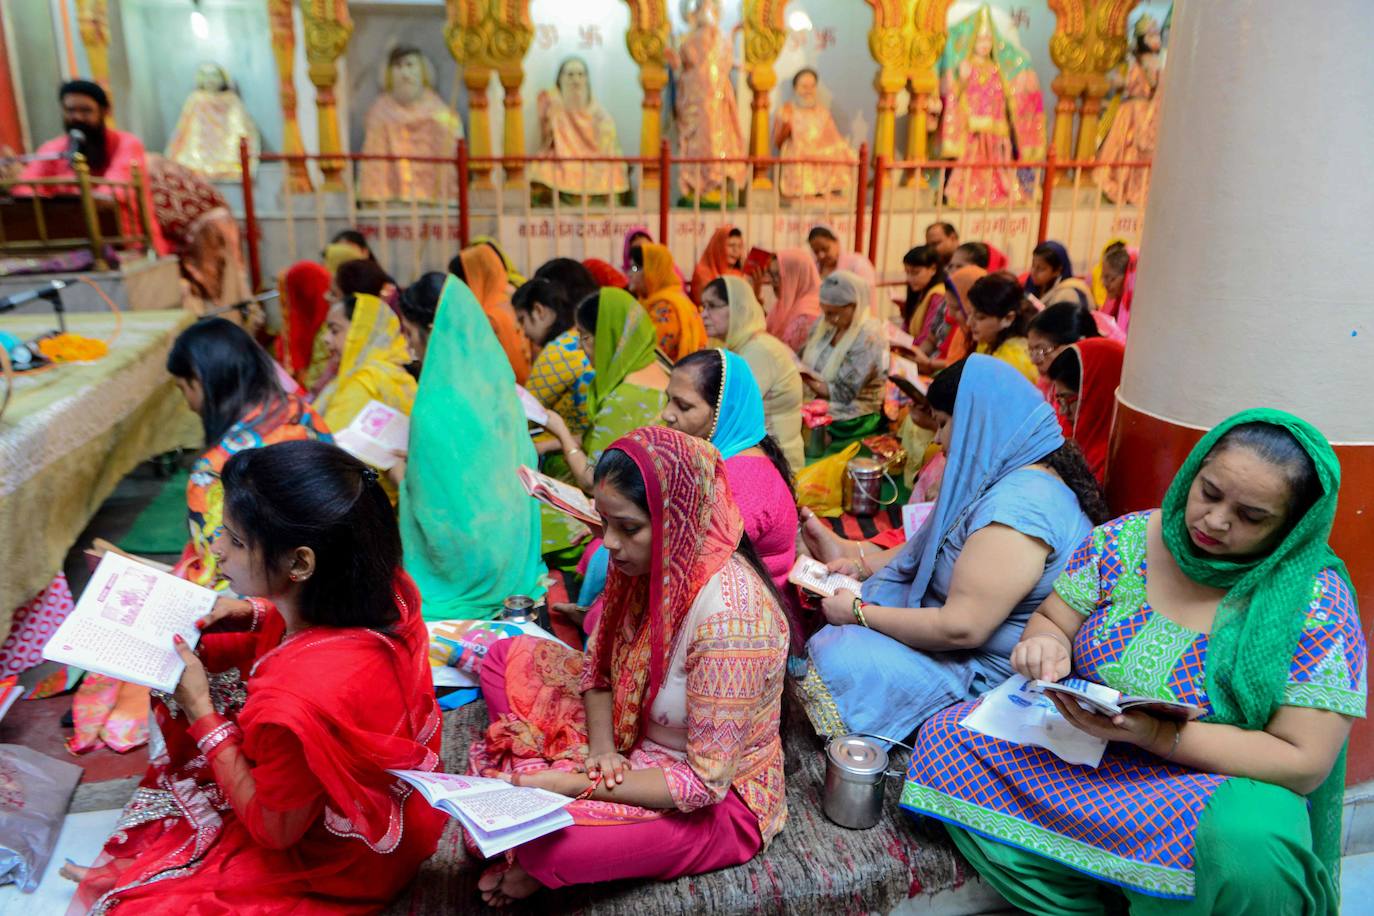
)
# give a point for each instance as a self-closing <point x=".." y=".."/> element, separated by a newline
<point x="123" y="623"/>
<point x="498" y="815"/>
<point x="914" y="515"/>
<point x="812" y="575"/>
<point x="376" y="433"/>
<point x="1107" y="701"/>
<point x="1019" y="712"/>
<point x="535" y="412"/>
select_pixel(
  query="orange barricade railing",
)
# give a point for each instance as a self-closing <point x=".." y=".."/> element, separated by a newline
<point x="889" y="211"/>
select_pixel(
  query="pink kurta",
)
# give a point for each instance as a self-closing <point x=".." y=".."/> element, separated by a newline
<point x="769" y="511"/>
<point x="124" y="151"/>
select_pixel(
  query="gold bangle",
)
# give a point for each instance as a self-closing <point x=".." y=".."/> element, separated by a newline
<point x="859" y="613"/>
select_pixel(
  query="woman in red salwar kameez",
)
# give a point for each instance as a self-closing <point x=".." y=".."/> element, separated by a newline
<point x="272" y="794"/>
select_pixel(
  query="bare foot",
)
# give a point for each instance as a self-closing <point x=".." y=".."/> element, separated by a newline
<point x="73" y="872"/>
<point x="822" y="541"/>
<point x="503" y="884"/>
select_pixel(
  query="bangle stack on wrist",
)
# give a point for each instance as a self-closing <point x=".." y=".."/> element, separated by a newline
<point x="859" y="613"/>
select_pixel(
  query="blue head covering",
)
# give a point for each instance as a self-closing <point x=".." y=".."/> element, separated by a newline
<point x="1067" y="272"/>
<point x="1001" y="423"/>
<point x="739" y="416"/>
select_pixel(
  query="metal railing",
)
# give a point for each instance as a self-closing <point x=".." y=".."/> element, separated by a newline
<point x="881" y="217"/>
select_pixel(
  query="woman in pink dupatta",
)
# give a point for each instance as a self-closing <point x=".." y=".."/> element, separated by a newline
<point x="1118" y="276"/>
<point x="797" y="284"/>
<point x="666" y="731"/>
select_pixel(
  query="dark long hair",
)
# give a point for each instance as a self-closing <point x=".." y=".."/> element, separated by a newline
<point x="1067" y="461"/>
<point x="235" y="374"/>
<point x="618" y="470"/>
<point x="999" y="295"/>
<point x="921" y="256"/>
<point x="312" y="494"/>
<point x="546" y="293"/>
<point x="574" y="279"/>
<point x="705" y="369"/>
<point x="1277" y="446"/>
<point x="362" y="276"/>
<point x="356" y="239"/>
<point x="1064" y="323"/>
<point x="419" y="301"/>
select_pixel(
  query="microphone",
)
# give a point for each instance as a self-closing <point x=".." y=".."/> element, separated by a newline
<point x="9" y="303"/>
<point x="76" y="140"/>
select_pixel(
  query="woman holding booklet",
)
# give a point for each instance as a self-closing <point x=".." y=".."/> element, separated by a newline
<point x="938" y="616"/>
<point x="363" y="334"/>
<point x="667" y="728"/>
<point x="1228" y="598"/>
<point x="627" y="392"/>
<point x="232" y="384"/>
<point x="273" y="794"/>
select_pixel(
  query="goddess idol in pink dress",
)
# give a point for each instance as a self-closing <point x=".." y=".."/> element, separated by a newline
<point x="707" y="114"/>
<point x="993" y="111"/>
<point x="573" y="125"/>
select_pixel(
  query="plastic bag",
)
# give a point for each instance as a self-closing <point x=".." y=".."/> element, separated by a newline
<point x="34" y="792"/>
<point x="820" y="486"/>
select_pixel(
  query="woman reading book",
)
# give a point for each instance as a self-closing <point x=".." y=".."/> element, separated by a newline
<point x="667" y="728"/>
<point x="232" y="384"/>
<point x="273" y="794"/>
<point x="1228" y="597"/>
<point x="938" y="616"/>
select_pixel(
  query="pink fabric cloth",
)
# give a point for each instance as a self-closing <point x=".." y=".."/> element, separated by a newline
<point x="34" y="623"/>
<point x="769" y="510"/>
<point x="716" y="836"/>
<point x="124" y="150"/>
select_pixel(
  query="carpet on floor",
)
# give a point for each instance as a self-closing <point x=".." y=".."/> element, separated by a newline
<point x="812" y="867"/>
<point x="161" y="527"/>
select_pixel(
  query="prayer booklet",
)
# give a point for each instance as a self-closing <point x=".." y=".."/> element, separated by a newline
<point x="902" y="368"/>
<point x="1017" y="712"/>
<point x="498" y="815"/>
<point x="1102" y="699"/>
<point x="811" y="575"/>
<point x="914" y="515"/>
<point x="896" y="337"/>
<point x="535" y="412"/>
<point x="560" y="496"/>
<point x="123" y="624"/>
<point x="375" y="433"/>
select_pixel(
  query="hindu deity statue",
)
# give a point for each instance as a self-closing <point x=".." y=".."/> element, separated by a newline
<point x="409" y="119"/>
<point x="573" y="125"/>
<point x="805" y="128"/>
<point x="707" y="113"/>
<point x="213" y="118"/>
<point x="1131" y="122"/>
<point x="992" y="111"/>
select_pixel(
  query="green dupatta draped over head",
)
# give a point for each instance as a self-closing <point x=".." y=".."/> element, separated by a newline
<point x="1260" y="620"/>
<point x="624" y="343"/>
<point x="469" y="530"/>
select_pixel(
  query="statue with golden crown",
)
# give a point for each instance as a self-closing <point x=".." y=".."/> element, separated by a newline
<point x="992" y="111"/>
<point x="409" y="119"/>
<point x="706" y="111"/>
<point x="573" y="125"/>
<point x="213" y="118"/>
<point x="1132" y="121"/>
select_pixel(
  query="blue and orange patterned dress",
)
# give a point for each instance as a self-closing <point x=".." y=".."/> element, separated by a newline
<point x="1131" y="821"/>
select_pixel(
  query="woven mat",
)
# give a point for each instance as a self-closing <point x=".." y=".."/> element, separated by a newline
<point x="812" y="867"/>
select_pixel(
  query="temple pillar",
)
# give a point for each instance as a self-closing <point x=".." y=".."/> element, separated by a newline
<point x="284" y="51"/>
<point x="11" y="128"/>
<point x="1241" y="216"/>
<point x="93" y="22"/>
<point x="1093" y="93"/>
<point x="327" y="30"/>
<point x="889" y="42"/>
<point x="512" y="125"/>
<point x="476" y="79"/>
<point x="1067" y="87"/>
<point x="764" y="37"/>
<point x="646" y="39"/>
<point x="926" y="42"/>
<point x="1089" y="40"/>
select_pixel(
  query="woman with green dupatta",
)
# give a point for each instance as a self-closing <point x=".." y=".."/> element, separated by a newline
<point x="1227" y="598"/>
<point x="628" y="391"/>
<point x="469" y="530"/>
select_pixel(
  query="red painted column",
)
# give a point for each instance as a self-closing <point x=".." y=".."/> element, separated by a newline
<point x="10" y="133"/>
<point x="1245" y="296"/>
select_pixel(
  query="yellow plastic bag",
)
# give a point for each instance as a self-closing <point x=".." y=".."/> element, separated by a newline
<point x="820" y="486"/>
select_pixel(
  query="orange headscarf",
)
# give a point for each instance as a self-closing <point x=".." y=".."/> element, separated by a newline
<point x="715" y="262"/>
<point x="958" y="344"/>
<point x="487" y="278"/>
<point x="799" y="298"/>
<point x="677" y="321"/>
